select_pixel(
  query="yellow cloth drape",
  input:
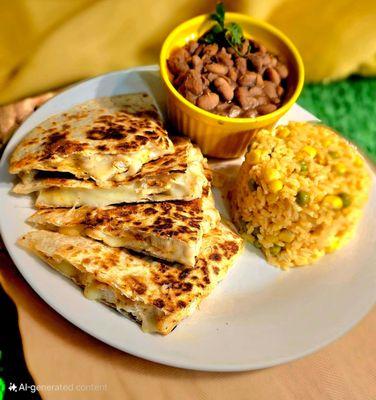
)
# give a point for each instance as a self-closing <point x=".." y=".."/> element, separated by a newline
<point x="46" y="44"/>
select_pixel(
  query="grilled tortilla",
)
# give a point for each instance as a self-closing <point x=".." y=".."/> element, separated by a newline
<point x="105" y="139"/>
<point x="170" y="231"/>
<point x="177" y="176"/>
<point x="156" y="294"/>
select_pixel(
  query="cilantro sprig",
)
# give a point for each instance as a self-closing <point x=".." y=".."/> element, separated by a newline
<point x="224" y="35"/>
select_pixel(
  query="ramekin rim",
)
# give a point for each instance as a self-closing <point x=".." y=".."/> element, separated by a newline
<point x="279" y="112"/>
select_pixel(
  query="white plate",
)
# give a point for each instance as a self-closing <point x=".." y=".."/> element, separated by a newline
<point x="257" y="317"/>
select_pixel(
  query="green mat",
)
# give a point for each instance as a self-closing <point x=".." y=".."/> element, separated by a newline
<point x="349" y="106"/>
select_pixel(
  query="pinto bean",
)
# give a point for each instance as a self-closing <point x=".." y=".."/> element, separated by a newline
<point x="190" y="96"/>
<point x="225" y="58"/>
<point x="245" y="47"/>
<point x="199" y="49"/>
<point x="266" y="59"/>
<point x="256" y="61"/>
<point x="197" y="63"/>
<point x="280" y="91"/>
<point x="177" y="63"/>
<point x="211" y="49"/>
<point x="270" y="89"/>
<point x="261" y="100"/>
<point x="256" y="91"/>
<point x="259" y="80"/>
<point x="219" y="69"/>
<point x="251" y="113"/>
<point x="205" y="81"/>
<point x="245" y="99"/>
<point x="223" y="108"/>
<point x="282" y="70"/>
<point x="266" y="109"/>
<point x="193" y="82"/>
<point x="192" y="46"/>
<point x="234" y="112"/>
<point x="272" y="75"/>
<point x="211" y="76"/>
<point x="206" y="59"/>
<point x="248" y="79"/>
<point x="232" y="83"/>
<point x="224" y="88"/>
<point x="208" y="100"/>
<point x="257" y="47"/>
<point x="233" y="74"/>
<point x="241" y="65"/>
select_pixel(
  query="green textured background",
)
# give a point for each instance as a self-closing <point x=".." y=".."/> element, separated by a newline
<point x="349" y="106"/>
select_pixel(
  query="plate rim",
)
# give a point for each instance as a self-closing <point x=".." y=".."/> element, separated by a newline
<point x="208" y="367"/>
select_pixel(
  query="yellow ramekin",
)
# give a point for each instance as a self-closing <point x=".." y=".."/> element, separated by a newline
<point x="216" y="135"/>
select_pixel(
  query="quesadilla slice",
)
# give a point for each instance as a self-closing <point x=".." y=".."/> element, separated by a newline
<point x="170" y="231"/>
<point x="105" y="139"/>
<point x="177" y="176"/>
<point x="156" y="294"/>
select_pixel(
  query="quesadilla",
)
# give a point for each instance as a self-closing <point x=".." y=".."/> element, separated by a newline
<point x="105" y="139"/>
<point x="156" y="294"/>
<point x="170" y="231"/>
<point x="177" y="176"/>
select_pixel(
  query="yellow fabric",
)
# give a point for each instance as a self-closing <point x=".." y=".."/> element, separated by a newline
<point x="46" y="44"/>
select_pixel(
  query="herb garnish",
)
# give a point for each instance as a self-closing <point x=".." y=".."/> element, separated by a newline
<point x="230" y="35"/>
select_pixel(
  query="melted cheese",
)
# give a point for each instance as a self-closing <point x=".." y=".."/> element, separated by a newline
<point x="187" y="186"/>
<point x="98" y="291"/>
<point x="72" y="230"/>
<point x="65" y="268"/>
<point x="165" y="248"/>
<point x="103" y="167"/>
<point x="100" y="197"/>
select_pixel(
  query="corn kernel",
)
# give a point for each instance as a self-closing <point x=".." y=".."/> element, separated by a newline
<point x="311" y="151"/>
<point x="283" y="132"/>
<point x="333" y="154"/>
<point x="275" y="250"/>
<point x="272" y="174"/>
<point x="358" y="161"/>
<point x="327" y="142"/>
<point x="255" y="156"/>
<point x="334" y="244"/>
<point x="275" y="186"/>
<point x="334" y="202"/>
<point x="286" y="236"/>
<point x="340" y="168"/>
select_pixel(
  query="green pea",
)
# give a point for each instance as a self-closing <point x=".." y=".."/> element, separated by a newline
<point x="333" y="154"/>
<point x="303" y="167"/>
<point x="252" y="185"/>
<point x="275" y="249"/>
<point x="303" y="198"/>
<point x="257" y="244"/>
<point x="346" y="199"/>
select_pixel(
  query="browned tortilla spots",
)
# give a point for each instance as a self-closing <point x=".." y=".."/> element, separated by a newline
<point x="173" y="228"/>
<point x="113" y="132"/>
<point x="159" y="303"/>
<point x="215" y="257"/>
<point x="110" y="125"/>
<point x="228" y="248"/>
<point x="135" y="284"/>
<point x="181" y="304"/>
